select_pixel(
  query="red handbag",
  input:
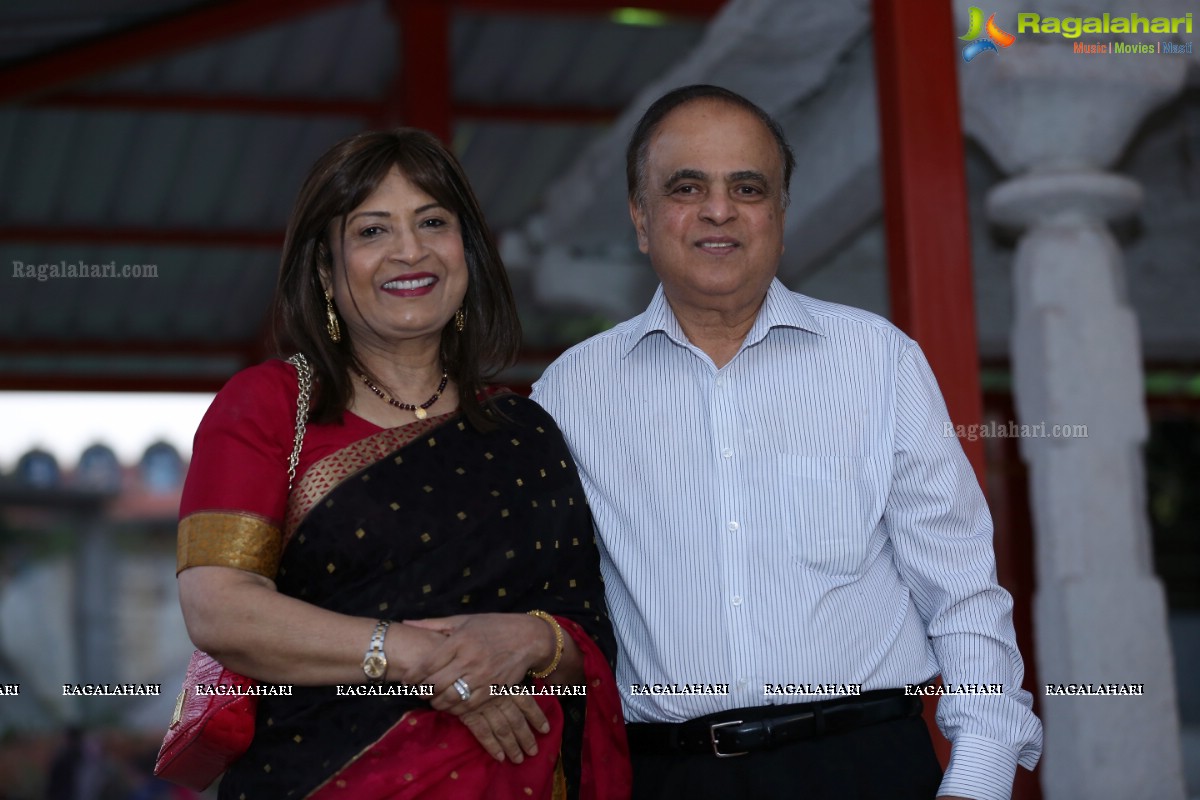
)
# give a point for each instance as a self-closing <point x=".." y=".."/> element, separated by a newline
<point x="210" y="731"/>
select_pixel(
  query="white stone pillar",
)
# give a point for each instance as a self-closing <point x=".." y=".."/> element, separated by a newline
<point x="1057" y="120"/>
<point x="1099" y="611"/>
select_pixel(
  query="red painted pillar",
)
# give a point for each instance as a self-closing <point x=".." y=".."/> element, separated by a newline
<point x="422" y="93"/>
<point x="925" y="198"/>
<point x="925" y="208"/>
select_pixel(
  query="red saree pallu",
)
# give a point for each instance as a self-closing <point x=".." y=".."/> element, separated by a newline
<point x="453" y="768"/>
<point x="429" y="520"/>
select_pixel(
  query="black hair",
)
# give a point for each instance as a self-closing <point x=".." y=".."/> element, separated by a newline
<point x="339" y="182"/>
<point x="639" y="142"/>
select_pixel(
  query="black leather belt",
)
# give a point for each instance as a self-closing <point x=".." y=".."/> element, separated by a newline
<point x="741" y="731"/>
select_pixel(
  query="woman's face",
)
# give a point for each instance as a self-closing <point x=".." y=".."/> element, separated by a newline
<point x="400" y="273"/>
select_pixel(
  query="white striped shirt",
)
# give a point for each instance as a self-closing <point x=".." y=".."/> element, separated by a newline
<point x="798" y="516"/>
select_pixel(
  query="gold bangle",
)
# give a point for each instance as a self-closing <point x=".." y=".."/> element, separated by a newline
<point x="558" y="645"/>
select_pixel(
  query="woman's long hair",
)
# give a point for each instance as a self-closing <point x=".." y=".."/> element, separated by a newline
<point x="340" y="181"/>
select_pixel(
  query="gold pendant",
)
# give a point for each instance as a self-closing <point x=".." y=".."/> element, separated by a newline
<point x="420" y="412"/>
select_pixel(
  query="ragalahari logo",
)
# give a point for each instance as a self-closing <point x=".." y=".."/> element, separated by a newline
<point x="995" y="38"/>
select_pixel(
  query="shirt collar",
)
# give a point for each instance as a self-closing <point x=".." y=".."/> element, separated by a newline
<point x="781" y="308"/>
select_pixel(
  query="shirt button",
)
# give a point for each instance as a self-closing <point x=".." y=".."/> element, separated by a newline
<point x="732" y="526"/>
<point x="721" y="382"/>
<point x="727" y="452"/>
<point x="743" y="681"/>
<point x="737" y="600"/>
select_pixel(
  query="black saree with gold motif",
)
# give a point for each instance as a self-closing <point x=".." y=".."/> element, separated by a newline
<point x="430" y="520"/>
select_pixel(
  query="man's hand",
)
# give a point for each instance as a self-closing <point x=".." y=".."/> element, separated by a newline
<point x="505" y="726"/>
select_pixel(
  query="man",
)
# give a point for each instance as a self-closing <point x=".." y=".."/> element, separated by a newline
<point x="778" y="507"/>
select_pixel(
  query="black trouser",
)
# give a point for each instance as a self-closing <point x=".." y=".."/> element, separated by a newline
<point x="891" y="760"/>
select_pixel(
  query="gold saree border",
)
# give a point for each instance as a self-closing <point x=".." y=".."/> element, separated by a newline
<point x="325" y="475"/>
<point x="559" y="791"/>
<point x="228" y="539"/>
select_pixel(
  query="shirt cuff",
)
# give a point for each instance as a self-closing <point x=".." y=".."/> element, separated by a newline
<point x="980" y="769"/>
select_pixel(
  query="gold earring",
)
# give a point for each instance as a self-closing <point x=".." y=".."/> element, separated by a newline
<point x="332" y="327"/>
<point x="460" y="320"/>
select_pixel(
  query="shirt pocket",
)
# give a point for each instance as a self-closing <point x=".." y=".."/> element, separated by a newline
<point x="826" y="504"/>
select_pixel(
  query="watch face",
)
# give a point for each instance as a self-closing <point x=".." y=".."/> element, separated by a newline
<point x="375" y="666"/>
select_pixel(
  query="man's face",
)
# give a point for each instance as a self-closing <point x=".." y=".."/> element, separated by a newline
<point x="712" y="215"/>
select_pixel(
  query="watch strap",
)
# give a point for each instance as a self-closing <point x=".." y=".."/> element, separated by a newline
<point x="374" y="657"/>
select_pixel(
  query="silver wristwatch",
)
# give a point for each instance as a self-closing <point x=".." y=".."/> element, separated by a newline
<point x="375" y="661"/>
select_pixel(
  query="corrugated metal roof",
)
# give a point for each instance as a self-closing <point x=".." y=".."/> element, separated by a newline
<point x="347" y="51"/>
<point x="198" y="188"/>
<point x="28" y="29"/>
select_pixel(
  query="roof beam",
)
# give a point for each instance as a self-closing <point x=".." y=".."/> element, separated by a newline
<point x="58" y="382"/>
<point x="211" y="104"/>
<point x="224" y="359"/>
<point x="680" y="8"/>
<point x="146" y="41"/>
<point x="165" y="237"/>
<point x="83" y="346"/>
<point x="317" y="107"/>
<point x="542" y="115"/>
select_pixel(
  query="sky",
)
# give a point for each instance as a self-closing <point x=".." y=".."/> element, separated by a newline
<point x="65" y="423"/>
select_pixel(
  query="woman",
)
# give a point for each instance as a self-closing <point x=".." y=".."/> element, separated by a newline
<point x="429" y="515"/>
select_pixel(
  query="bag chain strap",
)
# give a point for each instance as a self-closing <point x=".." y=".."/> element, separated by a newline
<point x="304" y="375"/>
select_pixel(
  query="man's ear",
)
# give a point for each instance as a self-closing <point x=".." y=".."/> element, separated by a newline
<point x="638" y="214"/>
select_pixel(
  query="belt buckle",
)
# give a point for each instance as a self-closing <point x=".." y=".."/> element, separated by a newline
<point x="712" y="736"/>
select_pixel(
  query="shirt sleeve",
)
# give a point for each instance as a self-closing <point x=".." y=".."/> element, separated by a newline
<point x="541" y="392"/>
<point x="546" y="392"/>
<point x="941" y="530"/>
<point x="235" y="495"/>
